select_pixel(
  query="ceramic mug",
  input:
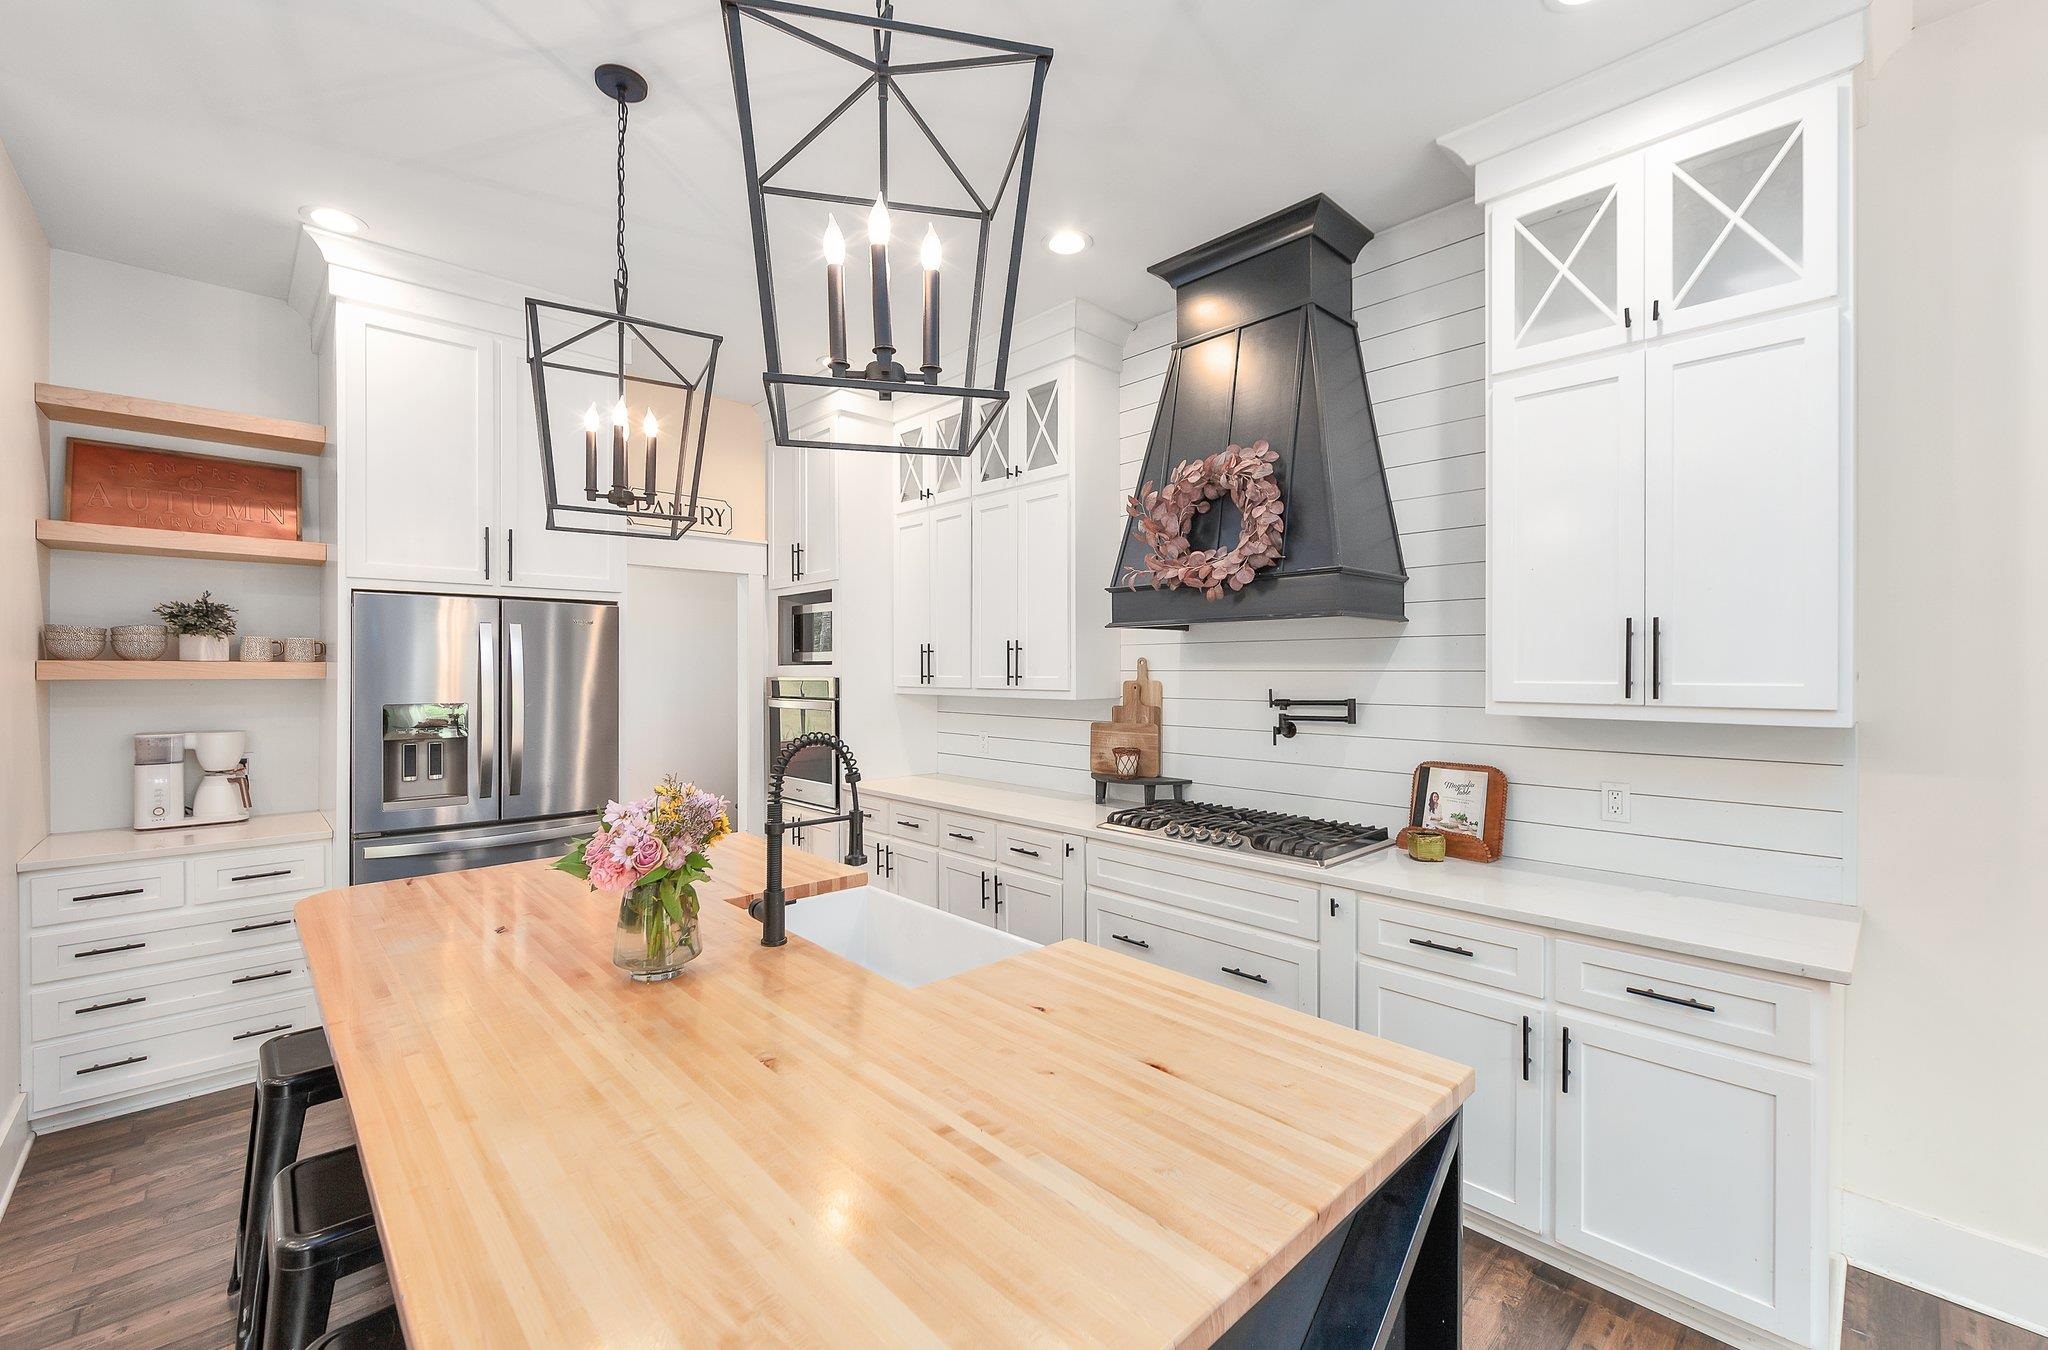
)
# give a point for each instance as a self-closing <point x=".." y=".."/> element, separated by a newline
<point x="256" y="648"/>
<point x="304" y="649"/>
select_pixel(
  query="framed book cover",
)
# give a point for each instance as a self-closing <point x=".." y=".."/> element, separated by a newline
<point x="1468" y="803"/>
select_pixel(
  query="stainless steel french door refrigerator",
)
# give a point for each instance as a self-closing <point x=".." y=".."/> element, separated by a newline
<point x="482" y="731"/>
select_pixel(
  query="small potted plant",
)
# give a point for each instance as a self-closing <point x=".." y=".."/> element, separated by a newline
<point x="203" y="627"/>
<point x="652" y="853"/>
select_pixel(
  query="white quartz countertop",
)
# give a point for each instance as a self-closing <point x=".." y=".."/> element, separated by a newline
<point x="87" y="848"/>
<point x="1813" y="939"/>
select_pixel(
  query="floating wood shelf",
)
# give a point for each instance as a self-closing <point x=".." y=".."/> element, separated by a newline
<point x="82" y="537"/>
<point x="89" y="408"/>
<point x="181" y="670"/>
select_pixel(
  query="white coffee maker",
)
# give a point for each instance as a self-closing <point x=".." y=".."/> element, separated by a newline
<point x="223" y="793"/>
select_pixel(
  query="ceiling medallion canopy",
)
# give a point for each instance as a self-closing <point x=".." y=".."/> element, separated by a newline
<point x="621" y="403"/>
<point x="929" y="151"/>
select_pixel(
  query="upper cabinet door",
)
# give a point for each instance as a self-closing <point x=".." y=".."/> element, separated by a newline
<point x="911" y="476"/>
<point x="1743" y="466"/>
<point x="817" y="473"/>
<point x="912" y="631"/>
<point x="1565" y="534"/>
<point x="952" y="595"/>
<point x="1565" y="262"/>
<point x="420" y="443"/>
<point x="1044" y="657"/>
<point x="946" y="477"/>
<point x="534" y="556"/>
<point x="997" y="522"/>
<point x="784" y="514"/>
<point x="1742" y="215"/>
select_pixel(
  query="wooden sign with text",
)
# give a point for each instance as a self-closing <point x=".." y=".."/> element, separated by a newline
<point x="108" y="484"/>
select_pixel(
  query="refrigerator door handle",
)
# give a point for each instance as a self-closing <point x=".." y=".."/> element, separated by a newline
<point x="486" y="723"/>
<point x="515" y="709"/>
<point x="434" y="847"/>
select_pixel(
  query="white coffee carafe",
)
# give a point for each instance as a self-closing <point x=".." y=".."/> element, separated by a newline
<point x="223" y="793"/>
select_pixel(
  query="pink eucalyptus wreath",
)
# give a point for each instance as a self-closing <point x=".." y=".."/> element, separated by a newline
<point x="1245" y="474"/>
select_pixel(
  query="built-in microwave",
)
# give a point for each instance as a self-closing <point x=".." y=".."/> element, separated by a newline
<point x="798" y="705"/>
<point x="809" y="634"/>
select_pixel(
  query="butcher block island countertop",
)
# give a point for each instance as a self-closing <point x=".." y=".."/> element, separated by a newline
<point x="779" y="1147"/>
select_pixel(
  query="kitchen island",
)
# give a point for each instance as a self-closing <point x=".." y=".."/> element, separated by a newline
<point x="780" y="1147"/>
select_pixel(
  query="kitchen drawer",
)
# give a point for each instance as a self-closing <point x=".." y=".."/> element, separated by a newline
<point x="914" y="822"/>
<point x="1277" y="904"/>
<point x="1451" y="944"/>
<point x="105" y="892"/>
<point x="122" y="1060"/>
<point x="1033" y="850"/>
<point x="70" y="952"/>
<point x="154" y="993"/>
<point x="874" y="817"/>
<point x="1273" y="969"/>
<point x="295" y="869"/>
<point x="968" y="836"/>
<point x="1716" y="1005"/>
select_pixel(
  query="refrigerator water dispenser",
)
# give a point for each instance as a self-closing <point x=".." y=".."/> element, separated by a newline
<point x="426" y="754"/>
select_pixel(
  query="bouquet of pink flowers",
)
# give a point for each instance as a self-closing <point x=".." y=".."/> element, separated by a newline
<point x="651" y="853"/>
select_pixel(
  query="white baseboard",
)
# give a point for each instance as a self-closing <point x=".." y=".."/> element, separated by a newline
<point x="14" y="1141"/>
<point x="1973" y="1269"/>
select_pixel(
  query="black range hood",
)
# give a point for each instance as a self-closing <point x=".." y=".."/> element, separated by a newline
<point x="1265" y="349"/>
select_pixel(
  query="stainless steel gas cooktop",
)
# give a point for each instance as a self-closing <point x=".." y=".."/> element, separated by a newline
<point x="1320" y="843"/>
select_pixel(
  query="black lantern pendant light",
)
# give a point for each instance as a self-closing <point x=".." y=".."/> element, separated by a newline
<point x="896" y="67"/>
<point x="633" y="394"/>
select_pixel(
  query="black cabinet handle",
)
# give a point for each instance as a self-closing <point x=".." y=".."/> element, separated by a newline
<point x="1019" y="677"/>
<point x="999" y="896"/>
<point x="1024" y="852"/>
<point x="796" y="563"/>
<point x="1566" y="1082"/>
<point x="955" y="834"/>
<point x="908" y="825"/>
<point x="1333" y="906"/>
<point x="984" y="890"/>
<point x="1656" y="311"/>
<point x="1672" y="999"/>
<point x="1656" y="657"/>
<point x="263" y="876"/>
<point x="487" y="553"/>
<point x="1628" y="657"/>
<point x="262" y="1031"/>
<point x="108" y="895"/>
<point x="267" y="975"/>
<point x="1244" y="974"/>
<point x="1628" y="320"/>
<point x="117" y="1003"/>
<point x="1527" y="1029"/>
<point x="109" y="951"/>
<point x="113" y="1064"/>
<point x="509" y="573"/>
<point x="1131" y="941"/>
<point x="253" y="927"/>
<point x="1439" y="947"/>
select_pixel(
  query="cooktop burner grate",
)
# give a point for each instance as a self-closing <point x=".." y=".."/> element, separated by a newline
<point x="1321" y="843"/>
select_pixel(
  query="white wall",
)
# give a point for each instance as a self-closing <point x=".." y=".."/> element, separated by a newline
<point x="130" y="331"/>
<point x="1945" y="1092"/>
<point x="679" y="661"/>
<point x="24" y="356"/>
<point x="1754" y="809"/>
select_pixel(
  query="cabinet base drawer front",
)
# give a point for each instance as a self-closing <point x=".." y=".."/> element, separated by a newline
<point x="295" y="870"/>
<point x="1451" y="944"/>
<point x="105" y="892"/>
<point x="1268" y="968"/>
<point x="1716" y="1005"/>
<point x="1037" y="851"/>
<point x="920" y="823"/>
<point x="69" y="954"/>
<point x="1276" y="904"/>
<point x="152" y="994"/>
<point x="969" y="836"/>
<point x="109" y="1064"/>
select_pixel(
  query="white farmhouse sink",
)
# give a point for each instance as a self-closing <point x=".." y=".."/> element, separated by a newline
<point x="899" y="939"/>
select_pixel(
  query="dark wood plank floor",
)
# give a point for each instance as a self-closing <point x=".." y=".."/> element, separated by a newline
<point x="120" y="1234"/>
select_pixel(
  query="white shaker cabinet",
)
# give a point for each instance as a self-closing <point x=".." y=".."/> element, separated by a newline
<point x="1023" y="588"/>
<point x="803" y="514"/>
<point x="536" y="557"/>
<point x="933" y="571"/>
<point x="1565" y="263"/>
<point x="1030" y="905"/>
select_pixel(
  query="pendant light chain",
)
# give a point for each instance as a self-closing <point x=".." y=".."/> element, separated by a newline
<point x="619" y="282"/>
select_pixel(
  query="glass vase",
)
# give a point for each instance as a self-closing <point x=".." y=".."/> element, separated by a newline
<point x="649" y="944"/>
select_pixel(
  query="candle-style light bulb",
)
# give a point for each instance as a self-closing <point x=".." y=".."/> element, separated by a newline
<point x="928" y="254"/>
<point x="835" y="242"/>
<point x="884" y="366"/>
<point x="649" y="430"/>
<point x="591" y="425"/>
<point x="878" y="222"/>
<point x="619" y="449"/>
<point x="835" y="296"/>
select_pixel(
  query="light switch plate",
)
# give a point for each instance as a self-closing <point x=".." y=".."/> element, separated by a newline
<point x="1614" y="803"/>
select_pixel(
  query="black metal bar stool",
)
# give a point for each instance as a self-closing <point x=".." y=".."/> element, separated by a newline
<point x="320" y="1231"/>
<point x="295" y="1072"/>
<point x="377" y="1331"/>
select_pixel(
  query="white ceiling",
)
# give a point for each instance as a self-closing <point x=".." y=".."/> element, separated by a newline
<point x="184" y="135"/>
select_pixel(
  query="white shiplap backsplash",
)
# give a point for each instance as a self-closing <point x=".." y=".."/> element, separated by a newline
<point x="1752" y="808"/>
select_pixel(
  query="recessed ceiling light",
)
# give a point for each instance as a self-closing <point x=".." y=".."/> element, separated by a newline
<point x="1067" y="241"/>
<point x="1562" y="5"/>
<point x="331" y="218"/>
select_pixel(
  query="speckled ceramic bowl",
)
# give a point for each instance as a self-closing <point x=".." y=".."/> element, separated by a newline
<point x="72" y="641"/>
<point x="140" y="641"/>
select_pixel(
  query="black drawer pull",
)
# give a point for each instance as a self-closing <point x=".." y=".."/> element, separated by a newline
<point x="1024" y="852"/>
<point x="253" y="927"/>
<point x="1244" y="974"/>
<point x="113" y="1064"/>
<point x="1131" y="941"/>
<point x="908" y="825"/>
<point x="108" y="895"/>
<point x="1439" y="947"/>
<point x="109" y="951"/>
<point x="263" y="876"/>
<point x="117" y="1003"/>
<point x="1692" y="1003"/>
<point x="262" y="1031"/>
<point x="965" y="838"/>
<point x="251" y="979"/>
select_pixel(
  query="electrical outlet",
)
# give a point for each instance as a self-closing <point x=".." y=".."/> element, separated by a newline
<point x="1614" y="802"/>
